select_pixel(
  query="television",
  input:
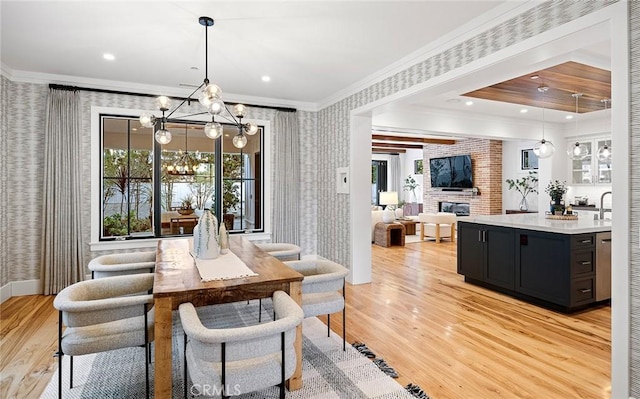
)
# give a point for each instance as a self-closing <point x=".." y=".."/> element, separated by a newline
<point x="451" y="172"/>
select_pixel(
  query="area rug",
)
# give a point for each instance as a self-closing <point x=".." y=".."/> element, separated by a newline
<point x="327" y="370"/>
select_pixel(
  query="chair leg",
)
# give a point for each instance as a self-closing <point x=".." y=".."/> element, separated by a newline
<point x="282" y="364"/>
<point x="60" y="354"/>
<point x="260" y="310"/>
<point x="184" y="359"/>
<point x="223" y="356"/>
<point x="147" y="354"/>
<point x="328" y="325"/>
<point x="70" y="372"/>
<point x="344" y="316"/>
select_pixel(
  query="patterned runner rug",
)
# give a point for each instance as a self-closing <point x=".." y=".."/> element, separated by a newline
<point x="328" y="371"/>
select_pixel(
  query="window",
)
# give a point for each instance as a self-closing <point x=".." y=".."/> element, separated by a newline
<point x="148" y="196"/>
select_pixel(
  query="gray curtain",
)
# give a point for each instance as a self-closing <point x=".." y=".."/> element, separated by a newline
<point x="62" y="261"/>
<point x="394" y="174"/>
<point x="286" y="178"/>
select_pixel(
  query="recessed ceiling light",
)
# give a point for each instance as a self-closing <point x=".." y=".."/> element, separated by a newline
<point x="469" y="103"/>
<point x="569" y="116"/>
<point x="535" y="77"/>
<point x="108" y="56"/>
<point x="134" y="129"/>
<point x="524" y="111"/>
<point x="266" y="78"/>
<point x="453" y="100"/>
<point x="194" y="68"/>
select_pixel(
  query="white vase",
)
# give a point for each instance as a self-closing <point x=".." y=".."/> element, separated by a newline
<point x="399" y="213"/>
<point x="205" y="237"/>
<point x="224" y="239"/>
<point x="388" y="216"/>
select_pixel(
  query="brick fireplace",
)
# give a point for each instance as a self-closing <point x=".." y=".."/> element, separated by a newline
<point x="486" y="159"/>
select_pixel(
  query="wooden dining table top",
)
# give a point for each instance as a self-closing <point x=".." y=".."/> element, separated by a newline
<point x="177" y="276"/>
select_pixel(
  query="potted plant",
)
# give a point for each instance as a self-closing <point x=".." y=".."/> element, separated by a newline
<point x="556" y="190"/>
<point x="186" y="208"/>
<point x="410" y="184"/>
<point x="525" y="186"/>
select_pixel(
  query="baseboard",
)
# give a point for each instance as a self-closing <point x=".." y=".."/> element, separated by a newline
<point x="20" y="288"/>
<point x="5" y="292"/>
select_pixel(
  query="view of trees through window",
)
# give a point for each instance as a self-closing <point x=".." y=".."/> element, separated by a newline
<point x="129" y="196"/>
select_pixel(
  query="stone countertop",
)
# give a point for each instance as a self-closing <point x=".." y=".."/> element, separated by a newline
<point x="537" y="221"/>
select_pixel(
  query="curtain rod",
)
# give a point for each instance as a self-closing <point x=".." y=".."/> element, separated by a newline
<point x="128" y="93"/>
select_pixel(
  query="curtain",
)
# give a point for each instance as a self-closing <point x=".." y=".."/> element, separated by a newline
<point x="286" y="180"/>
<point x="61" y="257"/>
<point x="394" y="174"/>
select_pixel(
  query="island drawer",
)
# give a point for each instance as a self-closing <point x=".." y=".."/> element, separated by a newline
<point x="583" y="262"/>
<point x="580" y="241"/>
<point x="583" y="291"/>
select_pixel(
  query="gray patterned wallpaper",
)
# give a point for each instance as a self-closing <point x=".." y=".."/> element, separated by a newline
<point x="20" y="237"/>
<point x="634" y="152"/>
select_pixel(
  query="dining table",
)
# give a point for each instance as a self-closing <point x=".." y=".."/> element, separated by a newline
<point x="177" y="281"/>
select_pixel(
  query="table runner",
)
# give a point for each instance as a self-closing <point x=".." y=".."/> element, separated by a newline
<point x="225" y="267"/>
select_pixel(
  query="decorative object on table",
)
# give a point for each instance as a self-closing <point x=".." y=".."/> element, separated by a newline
<point x="578" y="151"/>
<point x="390" y="199"/>
<point x="399" y="212"/>
<point x="410" y="184"/>
<point x="205" y="237"/>
<point x="556" y="190"/>
<point x="186" y="208"/>
<point x="224" y="239"/>
<point x="543" y="148"/>
<point x="210" y="98"/>
<point x="525" y="186"/>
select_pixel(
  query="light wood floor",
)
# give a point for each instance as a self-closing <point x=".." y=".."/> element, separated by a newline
<point x="453" y="339"/>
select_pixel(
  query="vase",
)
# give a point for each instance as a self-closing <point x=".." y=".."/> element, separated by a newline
<point x="524" y="205"/>
<point x="557" y="206"/>
<point x="224" y="239"/>
<point x="205" y="237"/>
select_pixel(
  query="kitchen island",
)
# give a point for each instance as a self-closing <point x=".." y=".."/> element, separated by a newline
<point x="552" y="263"/>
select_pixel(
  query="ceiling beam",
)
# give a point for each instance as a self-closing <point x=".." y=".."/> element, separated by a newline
<point x="412" y="139"/>
<point x="375" y="150"/>
<point x="396" y="145"/>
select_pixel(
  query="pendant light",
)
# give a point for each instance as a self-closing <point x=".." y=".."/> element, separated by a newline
<point x="579" y="151"/>
<point x="543" y="148"/>
<point x="604" y="152"/>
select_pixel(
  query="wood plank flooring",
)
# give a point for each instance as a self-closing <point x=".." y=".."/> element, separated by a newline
<point x="453" y="339"/>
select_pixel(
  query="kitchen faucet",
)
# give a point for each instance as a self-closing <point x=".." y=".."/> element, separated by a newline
<point x="602" y="204"/>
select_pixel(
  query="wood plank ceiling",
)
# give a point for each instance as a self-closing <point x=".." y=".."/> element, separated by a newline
<point x="562" y="81"/>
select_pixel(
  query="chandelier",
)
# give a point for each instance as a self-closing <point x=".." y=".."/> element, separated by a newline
<point x="210" y="98"/>
<point x="184" y="164"/>
<point x="604" y="152"/>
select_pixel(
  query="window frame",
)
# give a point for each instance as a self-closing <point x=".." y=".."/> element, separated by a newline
<point x="96" y="244"/>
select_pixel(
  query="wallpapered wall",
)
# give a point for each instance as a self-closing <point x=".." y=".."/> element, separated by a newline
<point x="22" y="148"/>
<point x="333" y="121"/>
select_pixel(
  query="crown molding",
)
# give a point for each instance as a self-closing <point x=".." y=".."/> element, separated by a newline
<point x="46" y="78"/>
<point x="478" y="25"/>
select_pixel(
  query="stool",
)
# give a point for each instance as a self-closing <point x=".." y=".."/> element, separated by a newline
<point x="388" y="234"/>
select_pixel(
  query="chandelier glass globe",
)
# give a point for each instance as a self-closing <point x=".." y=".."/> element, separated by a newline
<point x="216" y="107"/>
<point x="210" y="93"/>
<point x="240" y="141"/>
<point x="604" y="153"/>
<point x="251" y="128"/>
<point x="578" y="151"/>
<point x="213" y="130"/>
<point x="163" y="136"/>
<point x="147" y="119"/>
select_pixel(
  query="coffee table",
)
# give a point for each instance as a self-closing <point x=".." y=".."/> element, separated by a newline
<point x="409" y="226"/>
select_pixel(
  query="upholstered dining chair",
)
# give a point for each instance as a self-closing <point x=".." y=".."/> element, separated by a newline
<point x="437" y="225"/>
<point x="122" y="264"/>
<point x="242" y="359"/>
<point x="102" y="315"/>
<point x="321" y="286"/>
<point x="282" y="251"/>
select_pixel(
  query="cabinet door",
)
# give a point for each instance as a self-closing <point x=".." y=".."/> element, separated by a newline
<point x="603" y="164"/>
<point x="581" y="170"/>
<point x="470" y="250"/>
<point x="500" y="268"/>
<point x="543" y="266"/>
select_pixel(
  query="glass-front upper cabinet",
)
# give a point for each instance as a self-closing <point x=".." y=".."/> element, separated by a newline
<point x="603" y="159"/>
<point x="595" y="168"/>
<point x="581" y="169"/>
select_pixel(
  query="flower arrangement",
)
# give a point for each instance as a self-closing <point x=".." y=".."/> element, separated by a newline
<point x="410" y="184"/>
<point x="556" y="190"/>
<point x="525" y="185"/>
